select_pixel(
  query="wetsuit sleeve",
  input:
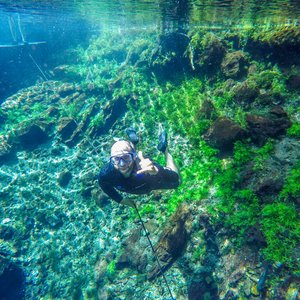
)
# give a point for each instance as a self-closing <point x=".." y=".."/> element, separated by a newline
<point x="107" y="188"/>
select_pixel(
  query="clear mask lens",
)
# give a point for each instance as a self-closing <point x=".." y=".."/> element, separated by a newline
<point x="125" y="158"/>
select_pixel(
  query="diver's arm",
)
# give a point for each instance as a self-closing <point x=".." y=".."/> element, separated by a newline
<point x="109" y="190"/>
<point x="113" y="194"/>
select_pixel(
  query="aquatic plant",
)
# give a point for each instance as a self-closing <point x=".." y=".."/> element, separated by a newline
<point x="240" y="117"/>
<point x="237" y="208"/>
<point x="111" y="270"/>
<point x="291" y="188"/>
<point x="97" y="120"/>
<point x="240" y="209"/>
<point x="280" y="36"/>
<point x="272" y="79"/>
<point x="262" y="154"/>
<point x="196" y="177"/>
<point x="147" y="209"/>
<point x="294" y="130"/>
<point x="244" y="212"/>
<point x="199" y="253"/>
<point x="281" y="228"/>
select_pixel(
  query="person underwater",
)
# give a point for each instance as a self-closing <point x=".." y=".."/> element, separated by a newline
<point x="130" y="172"/>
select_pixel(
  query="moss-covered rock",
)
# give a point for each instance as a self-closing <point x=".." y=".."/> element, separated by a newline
<point x="234" y="64"/>
<point x="293" y="82"/>
<point x="272" y="125"/>
<point x="31" y="136"/>
<point x="206" y="53"/>
<point x="168" y="58"/>
<point x="244" y="93"/>
<point x="281" y="37"/>
<point x="7" y="149"/>
<point x="66" y="128"/>
<point x="207" y="110"/>
<point x="172" y="241"/>
<point x="223" y="134"/>
<point x="64" y="178"/>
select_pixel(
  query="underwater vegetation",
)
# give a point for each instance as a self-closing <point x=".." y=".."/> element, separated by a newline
<point x="230" y="103"/>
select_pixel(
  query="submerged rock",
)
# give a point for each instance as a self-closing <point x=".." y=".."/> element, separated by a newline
<point x="112" y="111"/>
<point x="234" y="64"/>
<point x="168" y="58"/>
<point x="64" y="178"/>
<point x="267" y="179"/>
<point x="6" y="150"/>
<point x="207" y="110"/>
<point x="133" y="255"/>
<point x="6" y="232"/>
<point x="172" y="241"/>
<point x="245" y="92"/>
<point x="66" y="128"/>
<point x="223" y="134"/>
<point x="293" y="82"/>
<point x="214" y="51"/>
<point x="206" y="53"/>
<point x="66" y="89"/>
<point x="283" y="37"/>
<point x="272" y="125"/>
<point x="201" y="290"/>
<point x="287" y="151"/>
<point x="12" y="281"/>
<point x="31" y="136"/>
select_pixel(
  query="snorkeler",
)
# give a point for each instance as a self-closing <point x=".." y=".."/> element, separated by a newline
<point x="130" y="172"/>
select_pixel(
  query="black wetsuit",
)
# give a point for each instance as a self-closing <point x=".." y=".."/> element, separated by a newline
<point x="111" y="180"/>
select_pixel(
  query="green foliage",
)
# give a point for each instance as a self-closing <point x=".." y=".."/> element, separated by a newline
<point x="222" y="101"/>
<point x="26" y="115"/>
<point x="180" y="105"/>
<point x="147" y="209"/>
<point x="244" y="212"/>
<point x="242" y="153"/>
<point x="279" y="36"/>
<point x="241" y="209"/>
<point x="196" y="177"/>
<point x="271" y="79"/>
<point x="238" y="209"/>
<point x="262" y="154"/>
<point x="98" y="120"/>
<point x="240" y="117"/>
<point x="294" y="130"/>
<point x="281" y="227"/>
<point x="15" y="116"/>
<point x="71" y="111"/>
<point x="199" y="253"/>
<point x="291" y="187"/>
<point x="111" y="270"/>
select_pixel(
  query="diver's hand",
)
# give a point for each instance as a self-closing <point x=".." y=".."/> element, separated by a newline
<point x="128" y="202"/>
<point x="146" y="165"/>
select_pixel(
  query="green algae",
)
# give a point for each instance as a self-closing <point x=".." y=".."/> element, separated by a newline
<point x="294" y="130"/>
<point x="291" y="188"/>
<point x="281" y="227"/>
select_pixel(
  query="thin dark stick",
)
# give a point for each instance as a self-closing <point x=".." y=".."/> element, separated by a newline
<point x="151" y="245"/>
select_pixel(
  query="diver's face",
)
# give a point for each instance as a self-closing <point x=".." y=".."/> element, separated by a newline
<point x="122" y="157"/>
<point x="123" y="162"/>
